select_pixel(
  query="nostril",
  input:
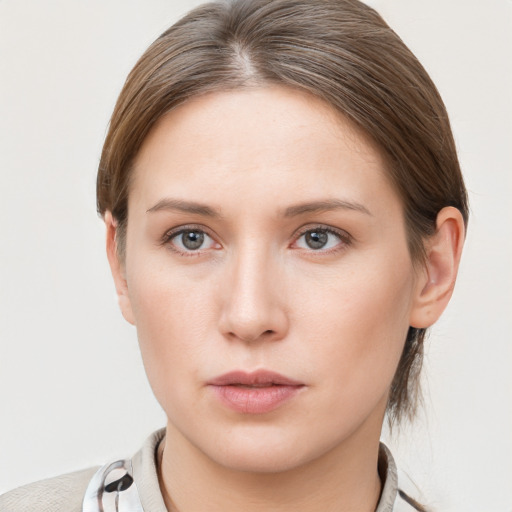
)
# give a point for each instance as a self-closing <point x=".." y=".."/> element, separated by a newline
<point x="269" y="333"/>
<point x="252" y="338"/>
<point x="247" y="322"/>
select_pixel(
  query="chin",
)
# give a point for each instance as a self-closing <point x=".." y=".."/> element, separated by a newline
<point x="267" y="452"/>
<point x="261" y="461"/>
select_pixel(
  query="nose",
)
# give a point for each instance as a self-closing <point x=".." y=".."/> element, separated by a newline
<point x="253" y="298"/>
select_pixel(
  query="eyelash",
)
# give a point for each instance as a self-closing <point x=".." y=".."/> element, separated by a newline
<point x="344" y="238"/>
<point x="169" y="235"/>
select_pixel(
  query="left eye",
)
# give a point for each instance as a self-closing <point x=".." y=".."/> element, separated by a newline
<point x="189" y="240"/>
<point x="319" y="238"/>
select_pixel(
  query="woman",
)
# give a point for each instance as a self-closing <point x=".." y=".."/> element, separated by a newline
<point x="285" y="216"/>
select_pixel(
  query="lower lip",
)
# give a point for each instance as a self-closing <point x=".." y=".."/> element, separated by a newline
<point x="255" y="400"/>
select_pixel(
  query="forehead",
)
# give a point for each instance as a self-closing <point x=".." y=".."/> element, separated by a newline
<point x="241" y="141"/>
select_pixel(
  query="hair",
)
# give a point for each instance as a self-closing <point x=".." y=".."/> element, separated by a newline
<point x="341" y="51"/>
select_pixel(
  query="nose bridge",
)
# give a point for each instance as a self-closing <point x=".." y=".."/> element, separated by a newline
<point x="253" y="306"/>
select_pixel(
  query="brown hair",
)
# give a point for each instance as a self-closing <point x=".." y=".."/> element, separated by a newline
<point x="339" y="50"/>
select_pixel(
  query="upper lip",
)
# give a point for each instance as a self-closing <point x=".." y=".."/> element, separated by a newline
<point x="257" y="378"/>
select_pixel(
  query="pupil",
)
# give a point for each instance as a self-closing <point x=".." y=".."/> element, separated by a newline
<point x="193" y="239"/>
<point x="316" y="239"/>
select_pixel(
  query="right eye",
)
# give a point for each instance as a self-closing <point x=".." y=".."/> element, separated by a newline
<point x="191" y="241"/>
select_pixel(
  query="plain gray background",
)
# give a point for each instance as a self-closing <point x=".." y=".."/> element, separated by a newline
<point x="72" y="388"/>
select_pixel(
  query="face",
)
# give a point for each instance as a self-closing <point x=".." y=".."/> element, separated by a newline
<point x="268" y="275"/>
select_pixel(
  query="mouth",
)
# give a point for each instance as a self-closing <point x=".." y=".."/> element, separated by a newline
<point x="254" y="393"/>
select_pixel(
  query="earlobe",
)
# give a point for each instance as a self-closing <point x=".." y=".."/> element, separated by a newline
<point x="117" y="268"/>
<point x="436" y="282"/>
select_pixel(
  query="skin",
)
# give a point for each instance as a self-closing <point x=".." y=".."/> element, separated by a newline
<point x="255" y="296"/>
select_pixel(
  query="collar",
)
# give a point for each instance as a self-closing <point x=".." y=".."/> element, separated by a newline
<point x="131" y="485"/>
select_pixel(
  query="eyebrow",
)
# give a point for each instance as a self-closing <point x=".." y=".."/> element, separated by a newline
<point x="292" y="211"/>
<point x="325" y="206"/>
<point x="185" y="207"/>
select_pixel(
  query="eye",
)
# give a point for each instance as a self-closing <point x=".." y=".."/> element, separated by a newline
<point x="321" y="239"/>
<point x="190" y="240"/>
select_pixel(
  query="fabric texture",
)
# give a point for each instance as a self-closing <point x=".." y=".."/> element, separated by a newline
<point x="66" y="493"/>
<point x="60" y="494"/>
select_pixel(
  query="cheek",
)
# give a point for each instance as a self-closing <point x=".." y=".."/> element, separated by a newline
<point x="174" y="315"/>
<point x="357" y="325"/>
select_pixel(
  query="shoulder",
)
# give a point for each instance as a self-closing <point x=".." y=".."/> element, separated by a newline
<point x="63" y="493"/>
<point x="66" y="493"/>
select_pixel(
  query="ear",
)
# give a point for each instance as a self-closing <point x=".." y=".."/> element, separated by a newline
<point x="117" y="268"/>
<point x="437" y="279"/>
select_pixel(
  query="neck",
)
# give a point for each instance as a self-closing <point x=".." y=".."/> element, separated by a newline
<point x="345" y="479"/>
